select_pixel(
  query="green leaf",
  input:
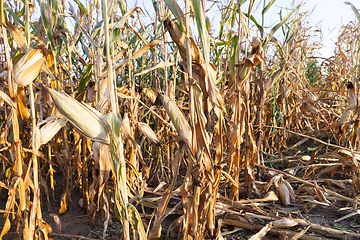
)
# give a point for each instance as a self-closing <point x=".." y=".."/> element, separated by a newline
<point x="114" y="121"/>
<point x="12" y="13"/>
<point x="122" y="6"/>
<point x="261" y="29"/>
<point x="201" y="25"/>
<point x="85" y="77"/>
<point x="47" y="26"/>
<point x="176" y="11"/>
<point x="81" y="6"/>
<point x="241" y="2"/>
<point x="233" y="56"/>
<point x="115" y="35"/>
<point x="268" y="7"/>
<point x="135" y="220"/>
<point x="277" y="26"/>
<point x="96" y="30"/>
<point x="251" y="5"/>
<point x="354" y="9"/>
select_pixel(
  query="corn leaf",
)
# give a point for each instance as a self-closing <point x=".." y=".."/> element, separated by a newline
<point x="357" y="14"/>
<point x="277" y="26"/>
<point x="176" y="11"/>
<point x="81" y="6"/>
<point x="201" y="25"/>
<point x="136" y="221"/>
<point x="85" y="77"/>
<point x="268" y="7"/>
<point x="47" y="26"/>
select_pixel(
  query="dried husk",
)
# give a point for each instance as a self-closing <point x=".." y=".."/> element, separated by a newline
<point x="28" y="67"/>
<point x="84" y="118"/>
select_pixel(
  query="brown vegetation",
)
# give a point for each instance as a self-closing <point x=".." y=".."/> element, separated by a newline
<point x="144" y="123"/>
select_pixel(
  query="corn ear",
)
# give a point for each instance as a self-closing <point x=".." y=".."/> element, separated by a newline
<point x="344" y="117"/>
<point x="285" y="190"/>
<point x="48" y="131"/>
<point x="28" y="67"/>
<point x="353" y="101"/>
<point x="84" y="118"/>
<point x="148" y="132"/>
<point x="179" y="37"/>
<point x="178" y="119"/>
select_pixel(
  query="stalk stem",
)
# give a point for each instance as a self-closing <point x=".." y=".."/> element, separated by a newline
<point x="36" y="201"/>
<point x="108" y="59"/>
<point x="121" y="175"/>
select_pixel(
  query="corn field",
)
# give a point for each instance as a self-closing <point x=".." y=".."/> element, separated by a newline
<point x="172" y="129"/>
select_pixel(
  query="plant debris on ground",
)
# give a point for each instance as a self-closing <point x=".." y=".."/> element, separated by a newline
<point x="119" y="124"/>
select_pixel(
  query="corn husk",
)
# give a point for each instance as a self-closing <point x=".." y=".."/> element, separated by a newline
<point x="44" y="134"/>
<point x="352" y="99"/>
<point x="178" y="119"/>
<point x="285" y="190"/>
<point x="150" y="94"/>
<point x="28" y="67"/>
<point x="148" y="132"/>
<point x="50" y="129"/>
<point x="84" y="118"/>
<point x="179" y="37"/>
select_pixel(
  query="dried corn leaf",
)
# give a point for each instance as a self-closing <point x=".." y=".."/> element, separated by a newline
<point x="7" y="99"/>
<point x="157" y="66"/>
<point x="65" y="198"/>
<point x="17" y="35"/>
<point x="136" y="55"/>
<point x="285" y="222"/>
<point x="23" y="111"/>
<point x="262" y="232"/>
<point x="156" y="229"/>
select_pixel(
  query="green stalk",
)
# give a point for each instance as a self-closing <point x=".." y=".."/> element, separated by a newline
<point x="108" y="59"/>
<point x="116" y="150"/>
<point x="239" y="32"/>
<point x="121" y="170"/>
